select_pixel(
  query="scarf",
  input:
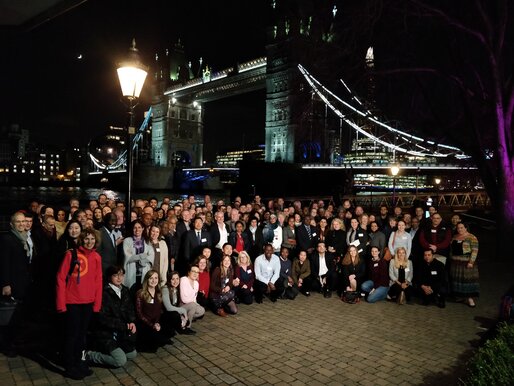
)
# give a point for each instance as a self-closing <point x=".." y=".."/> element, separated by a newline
<point x="22" y="236"/>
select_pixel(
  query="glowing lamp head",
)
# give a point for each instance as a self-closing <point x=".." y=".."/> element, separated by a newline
<point x="132" y="73"/>
<point x="437" y="181"/>
<point x="395" y="170"/>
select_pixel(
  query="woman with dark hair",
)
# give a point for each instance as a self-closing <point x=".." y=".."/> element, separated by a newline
<point x="289" y="236"/>
<point x="238" y="238"/>
<point x="79" y="294"/>
<point x="188" y="294"/>
<point x="322" y="229"/>
<point x="171" y="301"/>
<point x="204" y="280"/>
<point x="97" y="218"/>
<point x="69" y="240"/>
<point x="139" y="257"/>
<point x="222" y="288"/>
<point x="149" y="308"/>
<point x="114" y="330"/>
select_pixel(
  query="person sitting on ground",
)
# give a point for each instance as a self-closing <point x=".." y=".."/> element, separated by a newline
<point x="267" y="273"/>
<point x="286" y="270"/>
<point x="114" y="330"/>
<point x="353" y="270"/>
<point x="171" y="301"/>
<point x="302" y="274"/>
<point x="151" y="334"/>
<point x="400" y="275"/>
<point x="377" y="286"/>
<point x="245" y="274"/>
<point x="432" y="280"/>
<point x="188" y="294"/>
<point x="222" y="286"/>
<point x="204" y="281"/>
<point x="323" y="272"/>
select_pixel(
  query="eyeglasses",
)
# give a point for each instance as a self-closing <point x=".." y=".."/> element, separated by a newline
<point x="195" y="270"/>
<point x="119" y="274"/>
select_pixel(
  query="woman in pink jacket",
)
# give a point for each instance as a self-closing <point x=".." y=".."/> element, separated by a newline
<point x="79" y="294"/>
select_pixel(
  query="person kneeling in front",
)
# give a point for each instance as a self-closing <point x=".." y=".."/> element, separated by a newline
<point x="267" y="275"/>
<point x="114" y="331"/>
<point x="432" y="280"/>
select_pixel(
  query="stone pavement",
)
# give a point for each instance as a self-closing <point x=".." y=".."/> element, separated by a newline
<point x="313" y="341"/>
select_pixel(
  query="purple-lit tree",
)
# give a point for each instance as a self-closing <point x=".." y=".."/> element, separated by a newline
<point x="450" y="65"/>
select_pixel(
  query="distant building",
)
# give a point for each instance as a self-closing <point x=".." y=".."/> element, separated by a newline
<point x="232" y="158"/>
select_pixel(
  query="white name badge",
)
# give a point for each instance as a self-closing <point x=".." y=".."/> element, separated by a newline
<point x="375" y="265"/>
<point x="314" y="234"/>
<point x="287" y="270"/>
<point x="459" y="241"/>
<point x="204" y="240"/>
<point x="433" y="230"/>
<point x="433" y="272"/>
<point x="360" y="234"/>
<point x="407" y="269"/>
<point x="249" y="271"/>
<point x="268" y="268"/>
<point x="157" y="249"/>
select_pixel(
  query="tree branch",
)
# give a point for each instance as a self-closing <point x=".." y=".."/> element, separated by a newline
<point x="428" y="70"/>
<point x="502" y="26"/>
<point x="453" y="22"/>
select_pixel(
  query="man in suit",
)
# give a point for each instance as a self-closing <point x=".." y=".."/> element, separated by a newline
<point x="323" y="273"/>
<point x="306" y="236"/>
<point x="195" y="240"/>
<point x="219" y="237"/>
<point x="110" y="239"/>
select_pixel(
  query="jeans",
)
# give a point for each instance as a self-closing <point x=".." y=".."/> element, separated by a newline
<point x="117" y="357"/>
<point x="380" y="293"/>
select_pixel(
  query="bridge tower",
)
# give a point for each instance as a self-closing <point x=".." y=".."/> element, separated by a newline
<point x="177" y="131"/>
<point x="301" y="32"/>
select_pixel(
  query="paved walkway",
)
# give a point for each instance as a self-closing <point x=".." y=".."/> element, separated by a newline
<point x="313" y="341"/>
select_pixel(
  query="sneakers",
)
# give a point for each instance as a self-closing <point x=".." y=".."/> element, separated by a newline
<point x="307" y="293"/>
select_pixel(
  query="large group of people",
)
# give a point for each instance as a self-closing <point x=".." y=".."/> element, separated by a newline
<point x="131" y="286"/>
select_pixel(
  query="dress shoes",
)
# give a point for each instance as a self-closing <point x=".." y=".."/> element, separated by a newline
<point x="221" y="312"/>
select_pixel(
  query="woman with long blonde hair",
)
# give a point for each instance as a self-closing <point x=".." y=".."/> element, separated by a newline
<point x="400" y="274"/>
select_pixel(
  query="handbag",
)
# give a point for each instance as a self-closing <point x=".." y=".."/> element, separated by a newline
<point x="7" y="306"/>
<point x="351" y="297"/>
<point x="224" y="298"/>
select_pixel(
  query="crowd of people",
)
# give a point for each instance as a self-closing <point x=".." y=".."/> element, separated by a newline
<point x="131" y="286"/>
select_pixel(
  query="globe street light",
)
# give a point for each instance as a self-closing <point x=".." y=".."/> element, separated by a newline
<point x="437" y="182"/>
<point x="132" y="74"/>
<point x="394" y="172"/>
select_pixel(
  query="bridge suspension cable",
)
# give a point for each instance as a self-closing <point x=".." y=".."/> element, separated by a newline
<point x="382" y="133"/>
<point x="118" y="163"/>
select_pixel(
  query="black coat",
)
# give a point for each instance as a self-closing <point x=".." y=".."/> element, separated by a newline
<point x="109" y="330"/>
<point x="14" y="266"/>
<point x="192" y="247"/>
<point x="107" y="250"/>
<point x="246" y="241"/>
<point x="303" y="241"/>
<point x="257" y="244"/>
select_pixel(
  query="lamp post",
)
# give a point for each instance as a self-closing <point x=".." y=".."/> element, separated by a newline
<point x="437" y="182"/>
<point x="371" y="180"/>
<point x="394" y="172"/>
<point x="132" y="74"/>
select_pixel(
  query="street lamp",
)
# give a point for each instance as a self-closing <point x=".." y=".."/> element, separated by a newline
<point x="371" y="180"/>
<point x="132" y="74"/>
<point x="394" y="172"/>
<point x="437" y="182"/>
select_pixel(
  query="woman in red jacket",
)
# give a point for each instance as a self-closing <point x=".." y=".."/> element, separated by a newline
<point x="79" y="294"/>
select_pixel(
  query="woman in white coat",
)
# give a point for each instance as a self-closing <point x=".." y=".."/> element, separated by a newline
<point x="138" y="257"/>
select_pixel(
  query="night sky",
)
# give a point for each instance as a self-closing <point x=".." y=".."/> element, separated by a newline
<point x="64" y="99"/>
